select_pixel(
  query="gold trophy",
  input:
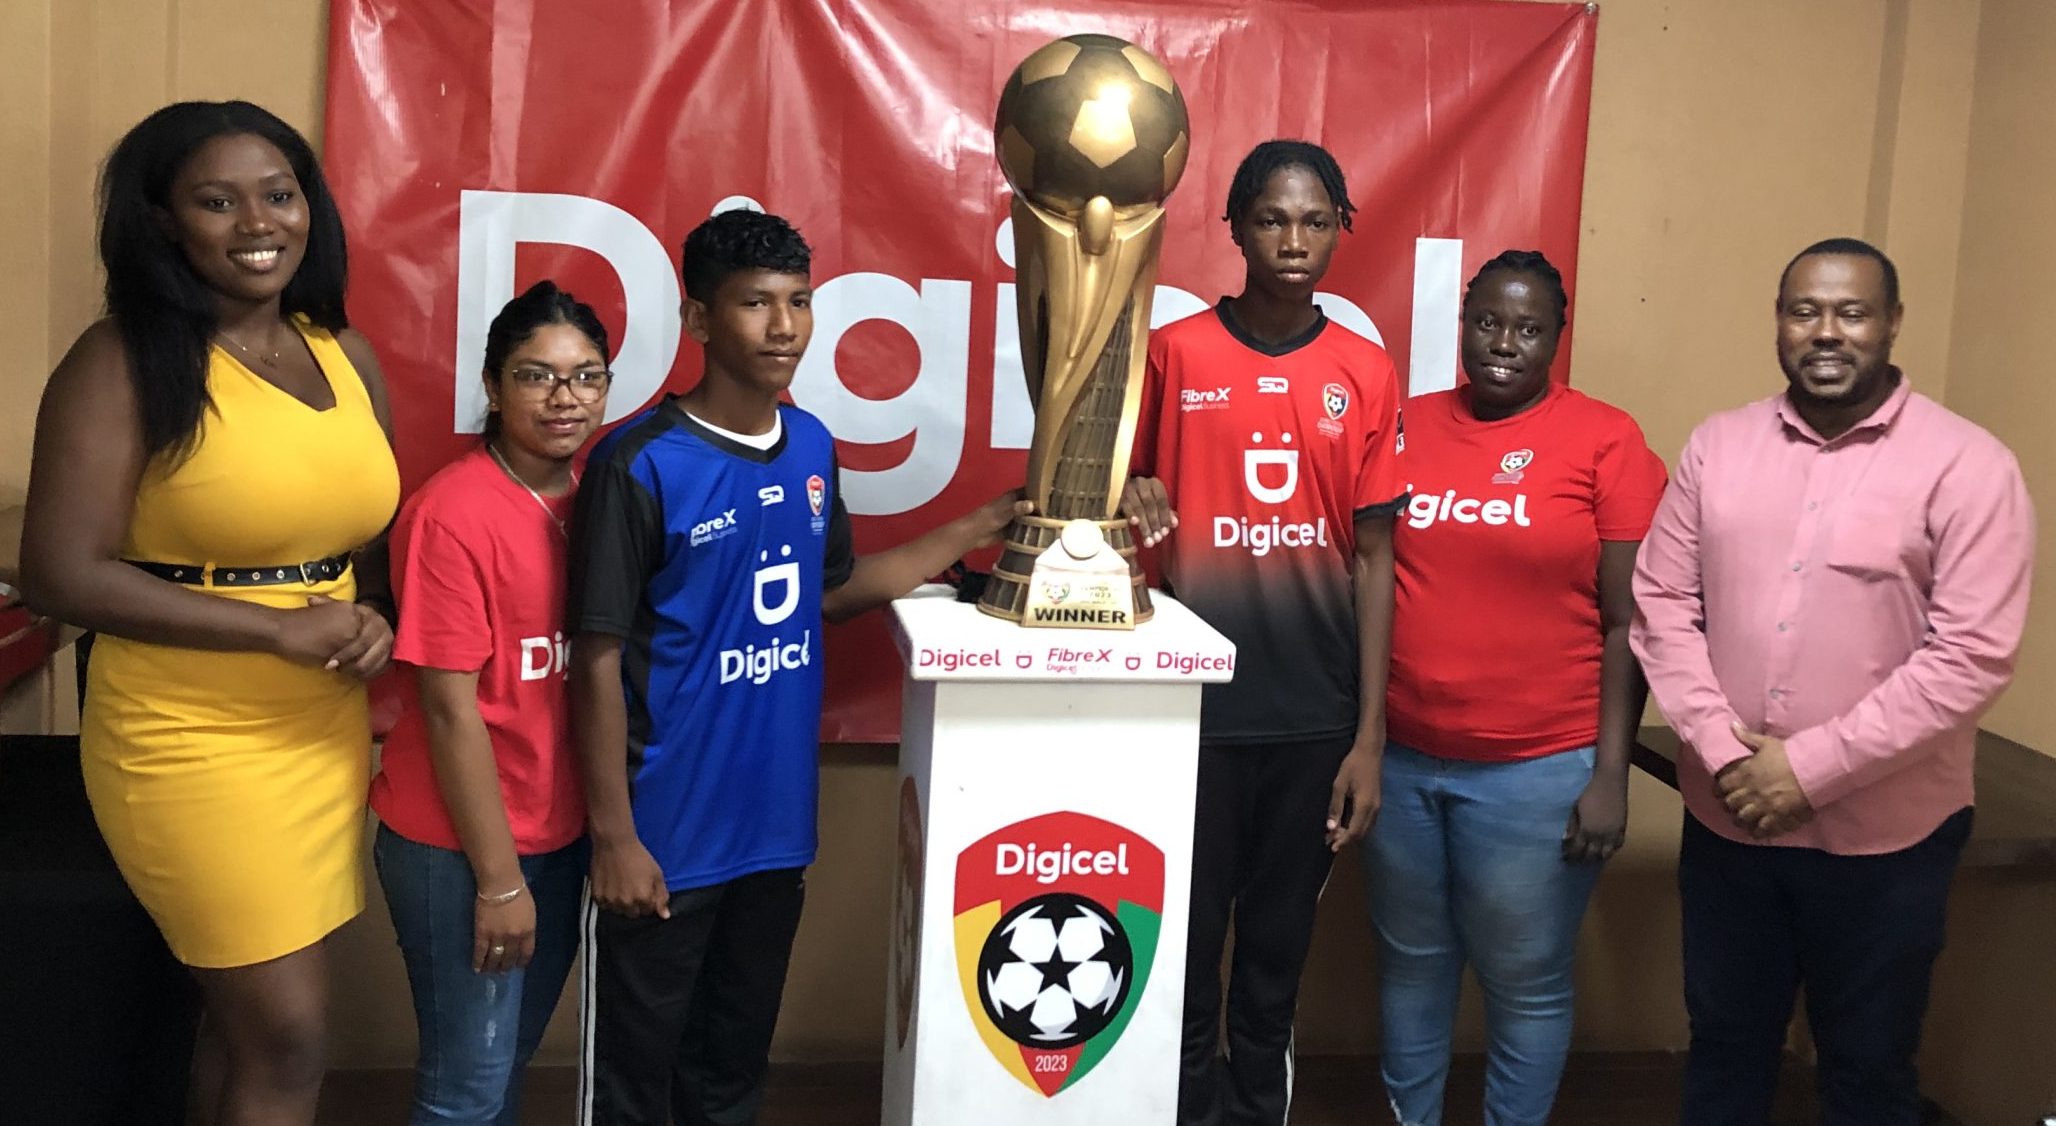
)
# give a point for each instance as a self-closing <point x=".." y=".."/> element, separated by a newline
<point x="1092" y="136"/>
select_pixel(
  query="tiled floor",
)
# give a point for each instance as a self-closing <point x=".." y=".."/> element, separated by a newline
<point x="1610" y="1089"/>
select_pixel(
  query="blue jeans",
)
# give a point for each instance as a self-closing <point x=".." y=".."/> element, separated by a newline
<point x="1465" y="862"/>
<point x="469" y="1070"/>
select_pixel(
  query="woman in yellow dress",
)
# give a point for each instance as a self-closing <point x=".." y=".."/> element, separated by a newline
<point x="207" y="460"/>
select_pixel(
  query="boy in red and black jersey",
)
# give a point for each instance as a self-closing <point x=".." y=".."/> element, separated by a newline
<point x="1275" y="433"/>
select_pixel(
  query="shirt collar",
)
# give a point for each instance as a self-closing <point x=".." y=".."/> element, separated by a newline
<point x="1880" y="419"/>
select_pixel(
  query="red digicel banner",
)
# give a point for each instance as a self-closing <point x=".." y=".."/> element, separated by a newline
<point x="480" y="145"/>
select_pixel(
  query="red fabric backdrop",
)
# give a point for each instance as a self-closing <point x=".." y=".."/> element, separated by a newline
<point x="479" y="145"/>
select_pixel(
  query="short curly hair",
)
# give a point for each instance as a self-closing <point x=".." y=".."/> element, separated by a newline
<point x="739" y="240"/>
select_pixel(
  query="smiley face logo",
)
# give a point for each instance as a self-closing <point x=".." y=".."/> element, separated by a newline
<point x="784" y="575"/>
<point x="1256" y="460"/>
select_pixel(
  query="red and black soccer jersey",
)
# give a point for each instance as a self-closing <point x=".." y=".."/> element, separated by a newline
<point x="1495" y="635"/>
<point x="1270" y="455"/>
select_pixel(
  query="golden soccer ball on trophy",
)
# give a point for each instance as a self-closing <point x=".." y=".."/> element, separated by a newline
<point x="1092" y="136"/>
<point x="1092" y="115"/>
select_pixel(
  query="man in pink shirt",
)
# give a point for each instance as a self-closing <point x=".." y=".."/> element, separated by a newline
<point x="1831" y="594"/>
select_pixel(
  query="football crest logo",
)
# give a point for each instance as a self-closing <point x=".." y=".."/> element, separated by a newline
<point x="817" y="493"/>
<point x="1056" y="931"/>
<point x="1511" y="465"/>
<point x="1335" y="400"/>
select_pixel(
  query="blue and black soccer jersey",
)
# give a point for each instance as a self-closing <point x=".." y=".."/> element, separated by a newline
<point x="708" y="559"/>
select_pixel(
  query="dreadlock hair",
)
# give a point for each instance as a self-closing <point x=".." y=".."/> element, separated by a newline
<point x="539" y="305"/>
<point x="1534" y="264"/>
<point x="1270" y="158"/>
<point x="165" y="313"/>
<point x="1851" y="246"/>
<point x="739" y="240"/>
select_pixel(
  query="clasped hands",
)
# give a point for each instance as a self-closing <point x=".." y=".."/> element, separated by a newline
<point x="1761" y="792"/>
<point x="346" y="637"/>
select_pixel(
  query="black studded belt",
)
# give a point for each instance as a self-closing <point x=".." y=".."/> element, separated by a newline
<point x="210" y="574"/>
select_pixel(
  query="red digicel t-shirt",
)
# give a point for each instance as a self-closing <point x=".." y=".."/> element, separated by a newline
<point x="1495" y="635"/>
<point x="1270" y="454"/>
<point x="479" y="573"/>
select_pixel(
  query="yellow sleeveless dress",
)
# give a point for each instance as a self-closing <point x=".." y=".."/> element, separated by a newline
<point x="231" y="786"/>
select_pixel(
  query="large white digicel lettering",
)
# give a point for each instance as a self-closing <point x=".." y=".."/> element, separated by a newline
<point x="931" y="409"/>
<point x="936" y="312"/>
<point x="1425" y="509"/>
<point x="493" y="224"/>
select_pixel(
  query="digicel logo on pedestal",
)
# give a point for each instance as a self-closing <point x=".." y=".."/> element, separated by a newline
<point x="1056" y="932"/>
<point x="950" y="660"/>
<point x="1047" y="867"/>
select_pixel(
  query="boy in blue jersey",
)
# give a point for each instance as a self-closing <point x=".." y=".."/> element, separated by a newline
<point x="710" y="542"/>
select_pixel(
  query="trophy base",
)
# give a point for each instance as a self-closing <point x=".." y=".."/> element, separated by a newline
<point x="1006" y="594"/>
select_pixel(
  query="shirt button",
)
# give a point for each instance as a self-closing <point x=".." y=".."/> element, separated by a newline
<point x="1795" y="566"/>
<point x="1811" y="505"/>
<point x="1783" y="626"/>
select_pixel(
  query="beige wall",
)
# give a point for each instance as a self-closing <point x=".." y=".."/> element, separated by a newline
<point x="2003" y="374"/>
<point x="1725" y="135"/>
<point x="1985" y="1060"/>
<point x="74" y="75"/>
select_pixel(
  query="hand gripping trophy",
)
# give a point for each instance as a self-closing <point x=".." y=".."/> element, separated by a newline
<point x="1092" y="136"/>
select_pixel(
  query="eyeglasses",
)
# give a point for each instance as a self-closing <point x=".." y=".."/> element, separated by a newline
<point x="540" y="383"/>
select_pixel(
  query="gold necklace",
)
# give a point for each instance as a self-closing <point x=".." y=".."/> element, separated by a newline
<point x="540" y="502"/>
<point x="245" y="349"/>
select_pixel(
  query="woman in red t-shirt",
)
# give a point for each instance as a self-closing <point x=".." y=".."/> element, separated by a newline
<point x="481" y="850"/>
<point x="1513" y="698"/>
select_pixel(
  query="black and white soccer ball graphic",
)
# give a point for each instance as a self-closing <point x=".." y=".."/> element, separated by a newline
<point x="1055" y="971"/>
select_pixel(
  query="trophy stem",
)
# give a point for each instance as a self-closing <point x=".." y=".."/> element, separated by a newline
<point x="1082" y="486"/>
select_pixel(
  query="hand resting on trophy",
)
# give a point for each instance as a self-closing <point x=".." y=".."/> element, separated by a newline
<point x="1148" y="509"/>
<point x="882" y="576"/>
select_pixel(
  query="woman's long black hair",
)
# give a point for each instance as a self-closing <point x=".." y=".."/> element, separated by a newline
<point x="166" y="314"/>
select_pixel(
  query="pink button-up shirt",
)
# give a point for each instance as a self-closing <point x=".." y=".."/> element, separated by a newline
<point x="1861" y="598"/>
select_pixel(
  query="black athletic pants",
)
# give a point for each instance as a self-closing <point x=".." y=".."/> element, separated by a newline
<point x="1259" y="861"/>
<point x="679" y="1012"/>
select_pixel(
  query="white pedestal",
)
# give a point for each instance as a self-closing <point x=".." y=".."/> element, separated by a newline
<point x="1045" y="866"/>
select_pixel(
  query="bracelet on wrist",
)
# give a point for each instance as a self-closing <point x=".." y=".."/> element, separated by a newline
<point x="503" y="897"/>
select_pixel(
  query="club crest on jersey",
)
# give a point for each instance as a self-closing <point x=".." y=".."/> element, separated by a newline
<point x="1335" y="400"/>
<point x="817" y="499"/>
<point x="1511" y="465"/>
